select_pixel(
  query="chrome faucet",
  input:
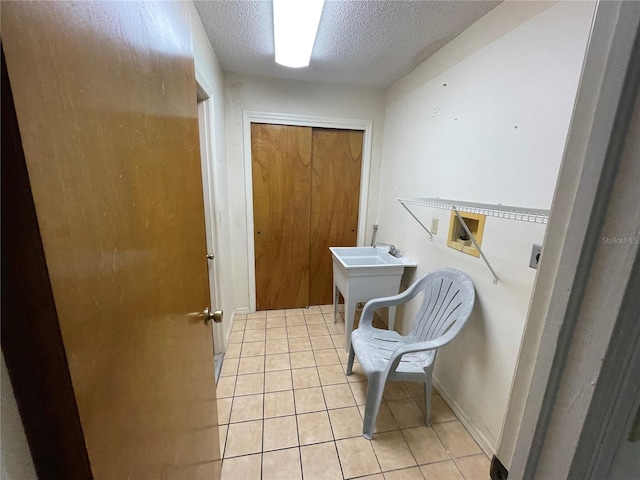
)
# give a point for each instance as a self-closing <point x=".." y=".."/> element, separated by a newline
<point x="393" y="250"/>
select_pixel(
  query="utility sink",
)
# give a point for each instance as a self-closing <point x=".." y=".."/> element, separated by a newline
<point x="369" y="258"/>
<point x="363" y="273"/>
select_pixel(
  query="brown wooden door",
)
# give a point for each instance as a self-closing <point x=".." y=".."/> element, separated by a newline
<point x="335" y="195"/>
<point x="306" y="190"/>
<point x="281" y="165"/>
<point x="106" y="105"/>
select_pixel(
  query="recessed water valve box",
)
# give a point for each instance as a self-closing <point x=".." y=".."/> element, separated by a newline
<point x="536" y="252"/>
<point x="459" y="237"/>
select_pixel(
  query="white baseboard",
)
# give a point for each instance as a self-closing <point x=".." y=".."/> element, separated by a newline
<point x="236" y="311"/>
<point x="229" y="330"/>
<point x="464" y="419"/>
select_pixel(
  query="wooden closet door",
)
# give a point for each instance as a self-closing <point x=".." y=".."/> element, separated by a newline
<point x="335" y="194"/>
<point x="281" y="172"/>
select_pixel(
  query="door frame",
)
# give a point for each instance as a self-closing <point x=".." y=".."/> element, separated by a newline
<point x="271" y="118"/>
<point x="209" y="191"/>
<point x="571" y="362"/>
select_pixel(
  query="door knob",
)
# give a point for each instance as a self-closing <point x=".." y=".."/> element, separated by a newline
<point x="208" y="316"/>
<point x="210" y="256"/>
<point x="215" y="316"/>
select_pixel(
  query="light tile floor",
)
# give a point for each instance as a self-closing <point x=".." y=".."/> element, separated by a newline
<point x="288" y="411"/>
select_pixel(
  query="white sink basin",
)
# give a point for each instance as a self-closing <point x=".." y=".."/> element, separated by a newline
<point x="368" y="257"/>
<point x="363" y="273"/>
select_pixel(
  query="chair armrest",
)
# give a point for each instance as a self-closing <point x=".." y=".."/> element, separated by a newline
<point x="397" y="354"/>
<point x="371" y="306"/>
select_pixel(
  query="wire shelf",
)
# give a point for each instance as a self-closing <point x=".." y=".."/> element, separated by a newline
<point x="532" y="215"/>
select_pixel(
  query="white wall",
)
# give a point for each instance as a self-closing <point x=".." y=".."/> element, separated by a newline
<point x="494" y="134"/>
<point x="15" y="456"/>
<point x="246" y="93"/>
<point x="207" y="65"/>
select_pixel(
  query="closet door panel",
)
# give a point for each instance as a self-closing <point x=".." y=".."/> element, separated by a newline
<point x="281" y="172"/>
<point x="335" y="194"/>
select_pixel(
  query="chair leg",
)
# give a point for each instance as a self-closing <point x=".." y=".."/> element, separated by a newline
<point x="352" y="356"/>
<point x="427" y="400"/>
<point x="374" y="397"/>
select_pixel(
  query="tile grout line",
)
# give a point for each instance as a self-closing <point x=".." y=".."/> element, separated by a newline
<point x="295" y="406"/>
<point x="335" y="446"/>
<point x="451" y="457"/>
<point x="409" y="446"/>
<point x="264" y="390"/>
<point x="326" y="408"/>
<point x="456" y="464"/>
<point x="226" y="437"/>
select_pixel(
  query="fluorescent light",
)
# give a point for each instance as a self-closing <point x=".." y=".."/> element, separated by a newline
<point x="295" y="24"/>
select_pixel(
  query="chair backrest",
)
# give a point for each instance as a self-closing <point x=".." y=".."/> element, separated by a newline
<point x="448" y="299"/>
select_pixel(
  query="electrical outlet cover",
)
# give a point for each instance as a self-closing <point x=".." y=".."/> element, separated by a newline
<point x="536" y="252"/>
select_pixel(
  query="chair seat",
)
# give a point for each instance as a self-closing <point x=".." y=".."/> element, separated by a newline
<point x="375" y="346"/>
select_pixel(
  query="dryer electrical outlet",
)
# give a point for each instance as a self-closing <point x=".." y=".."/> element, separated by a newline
<point x="536" y="252"/>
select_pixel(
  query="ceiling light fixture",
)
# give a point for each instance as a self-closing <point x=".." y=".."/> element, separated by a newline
<point x="295" y="25"/>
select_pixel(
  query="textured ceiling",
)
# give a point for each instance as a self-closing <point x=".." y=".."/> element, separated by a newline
<point x="364" y="42"/>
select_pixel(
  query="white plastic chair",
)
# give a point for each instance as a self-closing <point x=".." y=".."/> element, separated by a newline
<point x="385" y="355"/>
